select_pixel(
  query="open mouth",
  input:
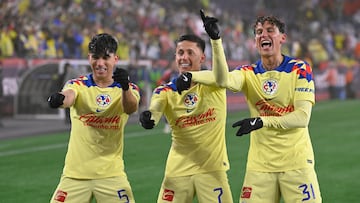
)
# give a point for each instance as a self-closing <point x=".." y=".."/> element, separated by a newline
<point x="266" y="44"/>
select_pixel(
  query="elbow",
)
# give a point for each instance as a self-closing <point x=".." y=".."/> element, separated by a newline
<point x="304" y="124"/>
<point x="222" y="83"/>
<point x="304" y="119"/>
<point x="131" y="109"/>
<point x="128" y="112"/>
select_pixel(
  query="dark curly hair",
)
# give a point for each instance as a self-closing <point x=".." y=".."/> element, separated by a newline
<point x="271" y="19"/>
<point x="103" y="44"/>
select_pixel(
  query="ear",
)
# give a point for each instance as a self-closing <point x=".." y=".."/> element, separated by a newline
<point x="202" y="58"/>
<point x="283" y="38"/>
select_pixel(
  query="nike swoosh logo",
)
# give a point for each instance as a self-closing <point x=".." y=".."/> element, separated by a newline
<point x="185" y="78"/>
<point x="253" y="122"/>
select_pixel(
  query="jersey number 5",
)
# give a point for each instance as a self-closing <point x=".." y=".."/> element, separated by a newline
<point x="122" y="195"/>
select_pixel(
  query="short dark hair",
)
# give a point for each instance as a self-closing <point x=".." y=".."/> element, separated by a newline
<point x="193" y="38"/>
<point x="103" y="44"/>
<point x="271" y="19"/>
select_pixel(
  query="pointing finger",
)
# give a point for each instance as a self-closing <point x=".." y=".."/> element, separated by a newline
<point x="202" y="14"/>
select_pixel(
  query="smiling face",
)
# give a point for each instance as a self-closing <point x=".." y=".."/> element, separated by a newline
<point x="102" y="57"/>
<point x="103" y="66"/>
<point x="188" y="56"/>
<point x="268" y="38"/>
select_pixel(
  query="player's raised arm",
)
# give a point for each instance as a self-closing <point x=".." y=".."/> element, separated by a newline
<point x="129" y="101"/>
<point x="204" y="77"/>
<point x="220" y="67"/>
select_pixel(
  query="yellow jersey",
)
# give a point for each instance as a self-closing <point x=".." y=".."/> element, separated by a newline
<point x="98" y="119"/>
<point x="197" y="118"/>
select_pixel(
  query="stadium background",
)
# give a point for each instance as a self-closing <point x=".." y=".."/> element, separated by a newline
<point x="39" y="35"/>
<point x="48" y="33"/>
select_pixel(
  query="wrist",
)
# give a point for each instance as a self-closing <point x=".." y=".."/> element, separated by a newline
<point x="264" y="121"/>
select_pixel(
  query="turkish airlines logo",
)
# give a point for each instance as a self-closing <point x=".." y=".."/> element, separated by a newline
<point x="168" y="195"/>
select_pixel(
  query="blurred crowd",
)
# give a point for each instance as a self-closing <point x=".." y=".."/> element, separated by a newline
<point x="318" y="31"/>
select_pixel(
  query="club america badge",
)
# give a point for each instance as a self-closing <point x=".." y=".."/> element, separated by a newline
<point x="103" y="100"/>
<point x="270" y="86"/>
<point x="190" y="100"/>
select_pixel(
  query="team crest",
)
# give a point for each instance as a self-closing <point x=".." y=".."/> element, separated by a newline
<point x="270" y="87"/>
<point x="191" y="99"/>
<point x="103" y="100"/>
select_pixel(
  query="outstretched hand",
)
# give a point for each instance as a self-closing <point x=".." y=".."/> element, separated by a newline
<point x="247" y="125"/>
<point x="210" y="25"/>
<point x="56" y="100"/>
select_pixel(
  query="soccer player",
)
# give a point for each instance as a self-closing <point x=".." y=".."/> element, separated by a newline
<point x="197" y="162"/>
<point x="280" y="93"/>
<point x="100" y="104"/>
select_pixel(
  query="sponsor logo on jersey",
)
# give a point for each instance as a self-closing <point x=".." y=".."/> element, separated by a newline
<point x="191" y="99"/>
<point x="246" y="192"/>
<point x="304" y="89"/>
<point x="199" y="119"/>
<point x="111" y="122"/>
<point x="267" y="109"/>
<point x="103" y="100"/>
<point x="270" y="87"/>
<point x="168" y="195"/>
<point x="60" y="196"/>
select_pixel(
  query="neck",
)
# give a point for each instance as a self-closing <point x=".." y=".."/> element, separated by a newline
<point x="103" y="82"/>
<point x="270" y="63"/>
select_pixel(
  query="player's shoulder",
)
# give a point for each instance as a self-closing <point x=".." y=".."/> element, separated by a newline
<point x="296" y="63"/>
<point x="299" y="67"/>
<point x="167" y="87"/>
<point x="79" y="81"/>
<point x="134" y="86"/>
<point x="246" y="67"/>
<point x="253" y="68"/>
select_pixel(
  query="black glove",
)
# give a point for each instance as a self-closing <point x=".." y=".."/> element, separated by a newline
<point x="247" y="125"/>
<point x="145" y="120"/>
<point x="183" y="82"/>
<point x="56" y="100"/>
<point x="210" y="25"/>
<point x="122" y="76"/>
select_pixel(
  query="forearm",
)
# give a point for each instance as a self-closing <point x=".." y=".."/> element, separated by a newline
<point x="299" y="118"/>
<point x="205" y="77"/>
<point x="69" y="98"/>
<point x="231" y="80"/>
<point x="129" y="102"/>
<point x="156" y="109"/>
<point x="220" y="67"/>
